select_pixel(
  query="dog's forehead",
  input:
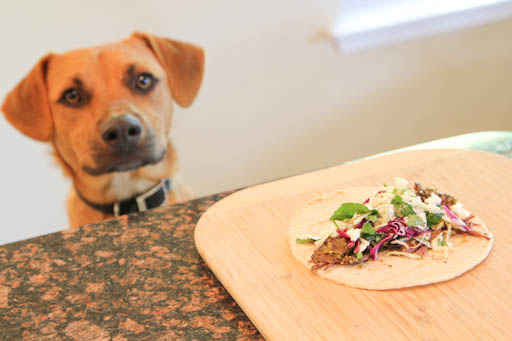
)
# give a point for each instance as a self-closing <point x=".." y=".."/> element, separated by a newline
<point x="102" y="61"/>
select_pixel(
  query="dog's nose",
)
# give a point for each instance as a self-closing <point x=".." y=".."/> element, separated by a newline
<point x="122" y="132"/>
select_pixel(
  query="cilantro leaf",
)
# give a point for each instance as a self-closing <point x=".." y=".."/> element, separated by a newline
<point x="414" y="220"/>
<point x="433" y="218"/>
<point x="406" y="209"/>
<point x="372" y="218"/>
<point x="402" y="208"/>
<point x="397" y="200"/>
<point x="373" y="215"/>
<point x="348" y="209"/>
<point x="367" y="229"/>
<point x="369" y="233"/>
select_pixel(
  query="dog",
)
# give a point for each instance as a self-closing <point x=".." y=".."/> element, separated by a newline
<point x="107" y="112"/>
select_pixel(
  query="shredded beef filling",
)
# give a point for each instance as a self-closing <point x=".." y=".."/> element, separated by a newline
<point x="424" y="193"/>
<point x="334" y="251"/>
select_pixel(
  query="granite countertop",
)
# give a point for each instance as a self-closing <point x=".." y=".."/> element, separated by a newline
<point x="135" y="277"/>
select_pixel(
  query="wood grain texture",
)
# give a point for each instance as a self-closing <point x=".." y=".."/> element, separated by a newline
<point x="243" y="239"/>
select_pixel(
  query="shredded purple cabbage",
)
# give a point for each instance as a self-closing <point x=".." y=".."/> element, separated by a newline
<point x="455" y="219"/>
<point x="374" y="252"/>
<point x="398" y="227"/>
<point x="360" y="225"/>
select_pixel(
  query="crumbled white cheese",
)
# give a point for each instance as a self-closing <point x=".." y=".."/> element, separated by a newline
<point x="433" y="209"/>
<point x="423" y="217"/>
<point x="401" y="184"/>
<point x="414" y="201"/>
<point x="364" y="244"/>
<point x="390" y="212"/>
<point x="460" y="211"/>
<point x="354" y="234"/>
<point x="433" y="199"/>
<point x="419" y="206"/>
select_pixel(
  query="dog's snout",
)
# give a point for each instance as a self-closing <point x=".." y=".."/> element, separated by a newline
<point x="121" y="133"/>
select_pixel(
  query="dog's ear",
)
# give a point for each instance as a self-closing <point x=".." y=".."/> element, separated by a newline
<point x="183" y="64"/>
<point x="27" y="107"/>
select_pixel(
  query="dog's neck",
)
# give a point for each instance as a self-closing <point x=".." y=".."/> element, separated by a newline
<point x="124" y="185"/>
<point x="114" y="187"/>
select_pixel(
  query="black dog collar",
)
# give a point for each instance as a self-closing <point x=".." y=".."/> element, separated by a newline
<point x="155" y="197"/>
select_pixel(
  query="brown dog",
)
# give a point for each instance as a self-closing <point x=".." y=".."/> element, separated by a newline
<point x="107" y="113"/>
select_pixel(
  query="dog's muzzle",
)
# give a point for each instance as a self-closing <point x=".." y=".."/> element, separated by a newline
<point x="125" y="144"/>
<point x="122" y="133"/>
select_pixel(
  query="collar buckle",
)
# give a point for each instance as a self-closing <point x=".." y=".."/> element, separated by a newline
<point x="141" y="199"/>
<point x="116" y="209"/>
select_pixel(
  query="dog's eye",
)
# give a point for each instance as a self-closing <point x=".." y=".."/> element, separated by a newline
<point x="71" y="96"/>
<point x="144" y="82"/>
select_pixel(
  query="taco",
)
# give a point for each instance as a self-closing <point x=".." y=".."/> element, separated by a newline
<point x="389" y="237"/>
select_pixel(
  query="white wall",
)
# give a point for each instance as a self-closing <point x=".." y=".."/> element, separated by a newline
<point x="275" y="100"/>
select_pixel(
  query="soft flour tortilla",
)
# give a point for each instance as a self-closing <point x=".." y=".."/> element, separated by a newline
<point x="388" y="272"/>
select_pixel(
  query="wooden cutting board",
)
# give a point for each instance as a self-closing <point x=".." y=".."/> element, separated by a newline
<point x="243" y="240"/>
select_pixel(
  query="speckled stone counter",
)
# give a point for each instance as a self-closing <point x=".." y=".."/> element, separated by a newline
<point x="137" y="277"/>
